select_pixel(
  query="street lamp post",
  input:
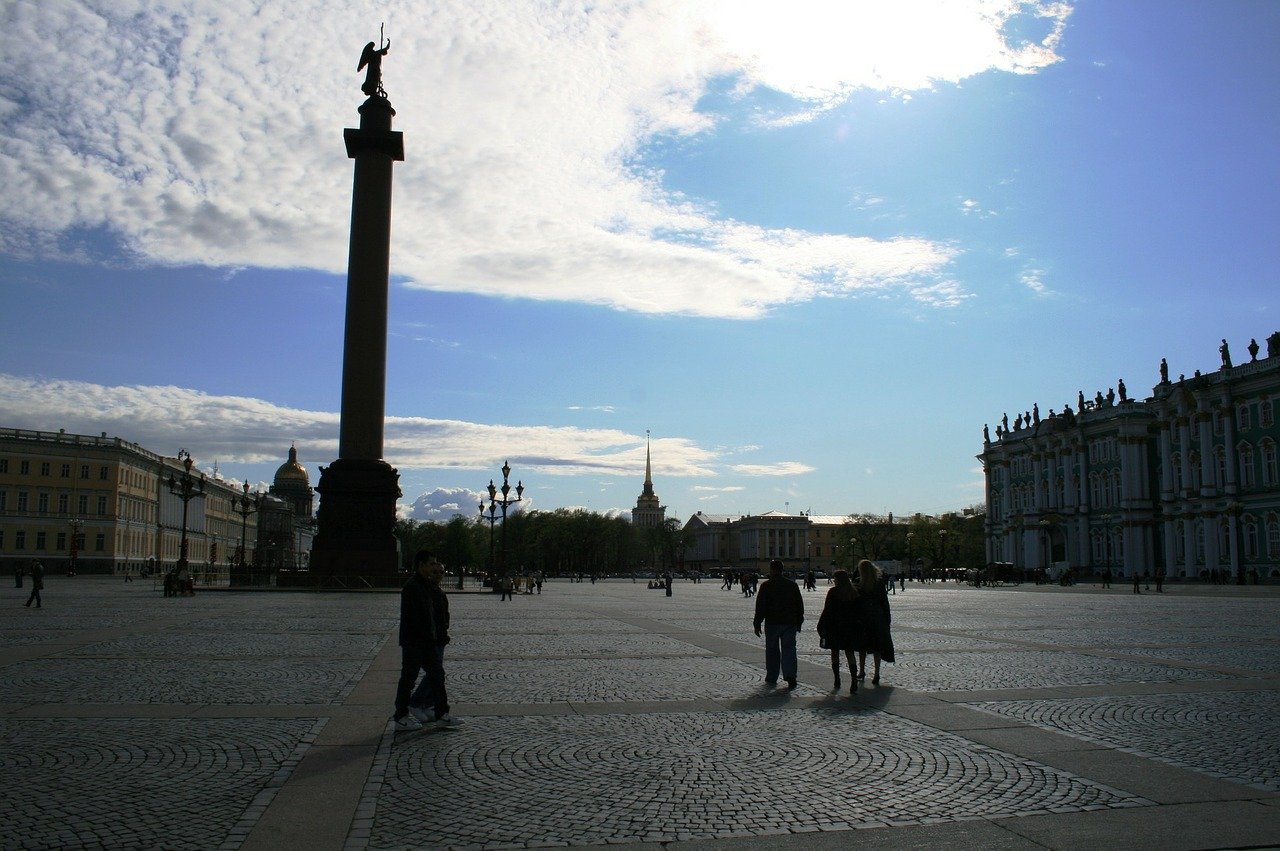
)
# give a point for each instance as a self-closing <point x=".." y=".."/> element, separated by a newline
<point x="492" y="518"/>
<point x="77" y="526"/>
<point x="502" y="503"/>
<point x="186" y="488"/>
<point x="942" y="554"/>
<point x="910" y="563"/>
<point x="244" y="505"/>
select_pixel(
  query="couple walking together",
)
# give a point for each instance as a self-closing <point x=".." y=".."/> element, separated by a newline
<point x="424" y="632"/>
<point x="855" y="619"/>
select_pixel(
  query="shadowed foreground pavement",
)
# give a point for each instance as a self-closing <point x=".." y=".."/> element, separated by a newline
<point x="609" y="713"/>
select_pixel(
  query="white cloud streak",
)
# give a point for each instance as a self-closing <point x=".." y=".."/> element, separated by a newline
<point x="241" y="429"/>
<point x="209" y="133"/>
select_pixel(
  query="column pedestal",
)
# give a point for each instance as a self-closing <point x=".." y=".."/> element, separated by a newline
<point x="356" y="545"/>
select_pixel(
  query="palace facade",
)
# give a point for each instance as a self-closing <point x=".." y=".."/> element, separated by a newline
<point x="104" y="504"/>
<point x="1184" y="480"/>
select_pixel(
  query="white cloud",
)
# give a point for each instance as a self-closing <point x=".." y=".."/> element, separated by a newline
<point x="1033" y="279"/>
<point x="210" y="133"/>
<point x="784" y="468"/>
<point x="237" y="429"/>
<point x="442" y="504"/>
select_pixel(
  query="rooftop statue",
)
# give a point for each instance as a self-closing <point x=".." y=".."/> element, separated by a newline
<point x="372" y="59"/>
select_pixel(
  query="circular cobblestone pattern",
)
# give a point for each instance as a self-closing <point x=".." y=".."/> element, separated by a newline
<point x="661" y="778"/>
<point x="1232" y="735"/>
<point x="270" y="681"/>
<point x="568" y="646"/>
<point x="183" y="784"/>
<point x="238" y="645"/>
<point x="552" y="681"/>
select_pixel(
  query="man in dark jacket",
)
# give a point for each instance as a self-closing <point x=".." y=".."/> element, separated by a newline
<point x="780" y="607"/>
<point x="422" y="639"/>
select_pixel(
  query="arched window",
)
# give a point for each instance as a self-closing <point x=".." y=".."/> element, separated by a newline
<point x="1273" y="536"/>
<point x="1117" y="546"/>
<point x="1199" y="541"/>
<point x="1195" y="471"/>
<point x="1243" y="417"/>
<point x="1220" y="465"/>
<point x="1177" y="471"/>
<point x="1180" y="541"/>
<point x="1115" y="488"/>
<point x="1269" y="471"/>
<point x="1266" y="413"/>
<point x="1224" y="540"/>
<point x="1099" y="548"/>
<point x="1246" y="465"/>
<point x="1250" y="537"/>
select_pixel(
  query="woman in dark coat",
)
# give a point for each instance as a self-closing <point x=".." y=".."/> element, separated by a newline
<point x="838" y="626"/>
<point x="873" y="621"/>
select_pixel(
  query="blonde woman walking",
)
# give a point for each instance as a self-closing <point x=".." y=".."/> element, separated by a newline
<point x="872" y="604"/>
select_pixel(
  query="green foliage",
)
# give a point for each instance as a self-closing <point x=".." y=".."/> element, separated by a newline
<point x="559" y="542"/>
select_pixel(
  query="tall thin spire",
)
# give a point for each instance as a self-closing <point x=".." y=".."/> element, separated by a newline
<point x="648" y="467"/>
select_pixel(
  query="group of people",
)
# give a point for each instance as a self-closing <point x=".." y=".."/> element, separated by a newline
<point x="855" y="620"/>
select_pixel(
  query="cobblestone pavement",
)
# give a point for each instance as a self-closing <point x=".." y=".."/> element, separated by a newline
<point x="664" y="777"/>
<point x="141" y="783"/>
<point x="1234" y="735"/>
<point x="609" y="713"/>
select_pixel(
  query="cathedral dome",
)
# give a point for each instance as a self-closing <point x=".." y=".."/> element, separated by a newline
<point x="291" y="471"/>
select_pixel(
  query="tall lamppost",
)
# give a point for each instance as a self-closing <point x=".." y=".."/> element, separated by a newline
<point x="244" y="505"/>
<point x="492" y="518"/>
<point x="186" y="488"/>
<point x="910" y="563"/>
<point x="503" y="503"/>
<point x="77" y="526"/>
<point x="942" y="554"/>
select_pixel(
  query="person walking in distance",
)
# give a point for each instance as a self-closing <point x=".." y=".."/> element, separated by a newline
<point x="838" y="626"/>
<point x="420" y="647"/>
<point x="37" y="583"/>
<point x="780" y="607"/>
<point x="874" y="636"/>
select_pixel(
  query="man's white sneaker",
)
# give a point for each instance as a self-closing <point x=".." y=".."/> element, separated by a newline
<point x="407" y="722"/>
<point x="423" y="716"/>
<point x="446" y="720"/>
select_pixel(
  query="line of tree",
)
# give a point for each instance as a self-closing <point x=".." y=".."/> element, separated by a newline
<point x="947" y="542"/>
<point x="562" y="542"/>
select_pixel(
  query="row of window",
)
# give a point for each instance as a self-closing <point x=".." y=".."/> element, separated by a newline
<point x="1244" y="416"/>
<point x="1247" y="465"/>
<point x="43" y="503"/>
<point x="46" y="469"/>
<point x="1249" y="538"/>
<point x="42" y="541"/>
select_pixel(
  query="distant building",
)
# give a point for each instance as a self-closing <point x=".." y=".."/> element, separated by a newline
<point x="1185" y="480"/>
<point x="104" y="502"/>
<point x="750" y="542"/>
<point x="286" y="518"/>
<point x="649" y="511"/>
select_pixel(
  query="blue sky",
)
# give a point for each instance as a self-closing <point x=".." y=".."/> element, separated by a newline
<point x="812" y="247"/>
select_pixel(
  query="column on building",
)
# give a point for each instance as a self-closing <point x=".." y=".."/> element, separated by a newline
<point x="1184" y="434"/>
<point x="1204" y="421"/>
<point x="1229" y="447"/>
<point x="1189" y="521"/>
<point x="1051" y="476"/>
<point x="1037" y="476"/>
<point x="1212" y="554"/>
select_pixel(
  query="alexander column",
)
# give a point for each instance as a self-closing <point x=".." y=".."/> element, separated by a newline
<point x="358" y="492"/>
